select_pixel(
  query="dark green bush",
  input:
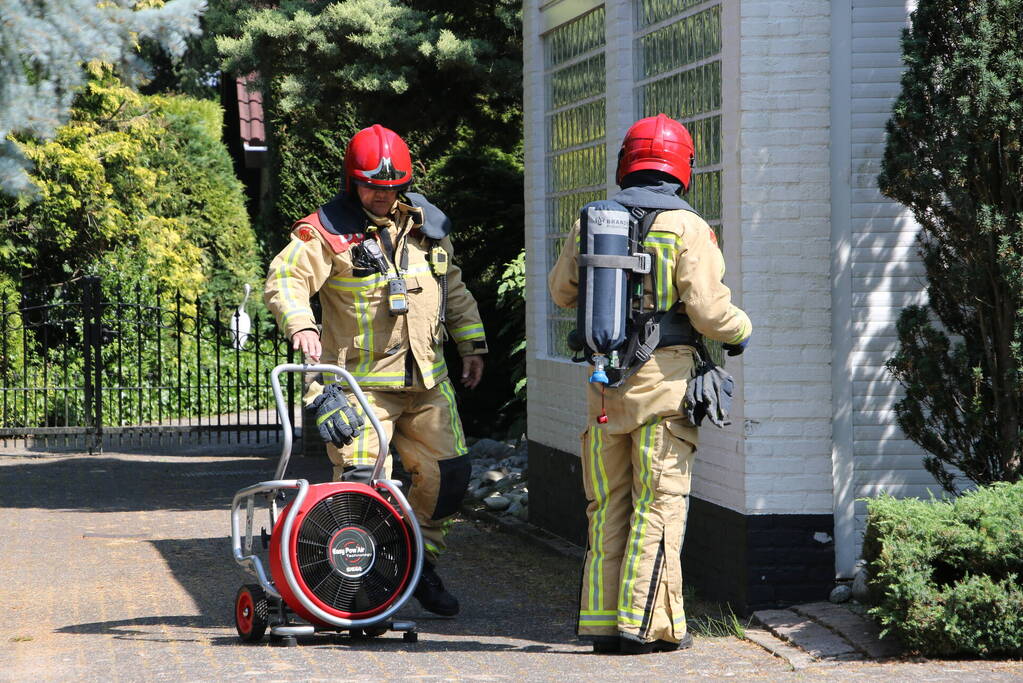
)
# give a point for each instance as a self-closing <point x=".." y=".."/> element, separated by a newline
<point x="944" y="575"/>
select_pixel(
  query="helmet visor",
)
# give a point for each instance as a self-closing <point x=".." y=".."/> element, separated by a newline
<point x="385" y="173"/>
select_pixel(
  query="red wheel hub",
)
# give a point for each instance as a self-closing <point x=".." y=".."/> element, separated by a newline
<point x="244" y="610"/>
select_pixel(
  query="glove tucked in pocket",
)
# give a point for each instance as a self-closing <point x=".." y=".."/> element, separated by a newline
<point x="709" y="394"/>
<point x="336" y="419"/>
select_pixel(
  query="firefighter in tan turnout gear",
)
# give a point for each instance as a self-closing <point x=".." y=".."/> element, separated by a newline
<point x="382" y="262"/>
<point x="638" y="448"/>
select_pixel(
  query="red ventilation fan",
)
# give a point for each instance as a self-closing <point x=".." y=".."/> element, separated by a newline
<point x="343" y="556"/>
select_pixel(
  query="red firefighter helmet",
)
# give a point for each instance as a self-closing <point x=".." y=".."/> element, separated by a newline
<point x="657" y="143"/>
<point x="377" y="157"/>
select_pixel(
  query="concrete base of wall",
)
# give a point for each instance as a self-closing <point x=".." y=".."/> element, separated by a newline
<point x="749" y="561"/>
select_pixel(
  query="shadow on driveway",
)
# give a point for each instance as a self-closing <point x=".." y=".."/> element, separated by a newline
<point x="122" y="483"/>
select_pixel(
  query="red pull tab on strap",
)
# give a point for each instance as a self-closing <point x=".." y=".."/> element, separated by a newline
<point x="602" y="418"/>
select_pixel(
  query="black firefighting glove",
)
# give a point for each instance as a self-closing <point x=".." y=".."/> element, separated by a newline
<point x="335" y="417"/>
<point x="709" y="395"/>
<point x="736" y="349"/>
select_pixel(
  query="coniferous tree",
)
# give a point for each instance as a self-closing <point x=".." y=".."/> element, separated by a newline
<point x="954" y="158"/>
<point x="446" y="76"/>
<point x="43" y="46"/>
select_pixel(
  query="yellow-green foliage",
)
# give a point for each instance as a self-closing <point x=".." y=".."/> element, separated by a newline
<point x="136" y="188"/>
<point x="11" y="355"/>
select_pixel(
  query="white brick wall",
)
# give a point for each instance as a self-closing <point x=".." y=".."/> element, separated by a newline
<point x="785" y="214"/>
<point x="876" y="239"/>
<point x="556" y="390"/>
<point x="556" y="397"/>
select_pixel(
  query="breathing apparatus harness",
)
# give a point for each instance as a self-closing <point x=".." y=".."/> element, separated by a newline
<point x="614" y="332"/>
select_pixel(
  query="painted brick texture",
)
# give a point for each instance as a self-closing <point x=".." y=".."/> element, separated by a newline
<point x="785" y="247"/>
<point x="887" y="273"/>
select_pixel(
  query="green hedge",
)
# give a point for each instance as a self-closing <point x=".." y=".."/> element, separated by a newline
<point x="944" y="576"/>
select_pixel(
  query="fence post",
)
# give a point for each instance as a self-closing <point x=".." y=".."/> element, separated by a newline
<point x="92" y="337"/>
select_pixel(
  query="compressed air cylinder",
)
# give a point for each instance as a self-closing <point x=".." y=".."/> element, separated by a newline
<point x="603" y="291"/>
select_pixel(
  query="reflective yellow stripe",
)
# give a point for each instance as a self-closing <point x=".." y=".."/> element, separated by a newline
<point x="598" y="479"/>
<point x="365" y="330"/>
<point x="356" y="284"/>
<point x="597" y="618"/>
<point x="370" y="282"/>
<point x="448" y="392"/>
<point x="360" y="452"/>
<point x="634" y="544"/>
<point x="665" y="247"/>
<point x="665" y="286"/>
<point x="290" y="256"/>
<point x="392" y="379"/>
<point x="379" y="376"/>
<point x="386" y="379"/>
<point x="439" y="367"/>
<point x="629" y="614"/>
<point x="739" y="337"/>
<point x="467" y="332"/>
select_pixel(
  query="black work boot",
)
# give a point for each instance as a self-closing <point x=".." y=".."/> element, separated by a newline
<point x="431" y="594"/>
<point x="603" y="645"/>
<point x="635" y="647"/>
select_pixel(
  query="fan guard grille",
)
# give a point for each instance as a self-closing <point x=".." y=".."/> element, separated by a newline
<point x="381" y="581"/>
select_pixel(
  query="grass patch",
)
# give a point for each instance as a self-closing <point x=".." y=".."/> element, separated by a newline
<point x="711" y="619"/>
<point x="725" y="623"/>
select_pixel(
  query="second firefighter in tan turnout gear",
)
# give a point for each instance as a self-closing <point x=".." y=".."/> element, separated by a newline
<point x="637" y="451"/>
<point x="390" y="295"/>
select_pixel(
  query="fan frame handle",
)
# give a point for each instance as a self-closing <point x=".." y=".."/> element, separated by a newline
<point x="282" y="412"/>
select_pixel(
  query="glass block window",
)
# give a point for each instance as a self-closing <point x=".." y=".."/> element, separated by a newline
<point x="678" y="58"/>
<point x="678" y="54"/>
<point x="574" y="143"/>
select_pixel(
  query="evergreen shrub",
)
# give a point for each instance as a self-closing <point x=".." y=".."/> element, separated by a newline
<point x="944" y="575"/>
<point x="140" y="191"/>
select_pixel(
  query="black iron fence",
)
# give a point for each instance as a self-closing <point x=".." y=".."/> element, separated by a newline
<point x="85" y="368"/>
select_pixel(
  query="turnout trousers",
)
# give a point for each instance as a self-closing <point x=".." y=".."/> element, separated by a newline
<point x="636" y="474"/>
<point x="424" y="428"/>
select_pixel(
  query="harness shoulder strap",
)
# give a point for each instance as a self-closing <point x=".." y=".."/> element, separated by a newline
<point x="640" y="221"/>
